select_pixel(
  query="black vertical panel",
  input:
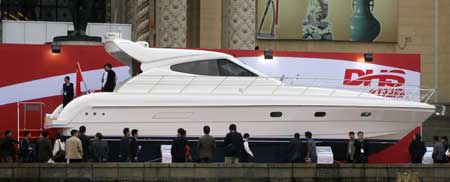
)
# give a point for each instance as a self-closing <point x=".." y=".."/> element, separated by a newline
<point x="47" y="10"/>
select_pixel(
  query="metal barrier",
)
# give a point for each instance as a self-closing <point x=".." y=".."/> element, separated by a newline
<point x="27" y="108"/>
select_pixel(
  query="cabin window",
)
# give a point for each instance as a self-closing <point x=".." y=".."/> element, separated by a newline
<point x="366" y="114"/>
<point x="219" y="67"/>
<point x="228" y="68"/>
<point x="276" y="114"/>
<point x="320" y="114"/>
<point x="208" y="68"/>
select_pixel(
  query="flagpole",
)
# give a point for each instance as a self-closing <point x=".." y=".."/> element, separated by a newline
<point x="84" y="81"/>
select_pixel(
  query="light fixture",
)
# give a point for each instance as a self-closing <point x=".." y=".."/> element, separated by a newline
<point x="268" y="54"/>
<point x="56" y="48"/>
<point x="440" y="110"/>
<point x="368" y="57"/>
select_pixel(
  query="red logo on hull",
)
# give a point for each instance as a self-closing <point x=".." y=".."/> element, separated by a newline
<point x="389" y="81"/>
<point x="385" y="78"/>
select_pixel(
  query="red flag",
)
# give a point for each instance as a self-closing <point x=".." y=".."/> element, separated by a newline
<point x="79" y="80"/>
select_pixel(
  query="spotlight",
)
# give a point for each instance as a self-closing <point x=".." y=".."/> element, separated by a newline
<point x="268" y="54"/>
<point x="440" y="110"/>
<point x="368" y="57"/>
<point x="56" y="48"/>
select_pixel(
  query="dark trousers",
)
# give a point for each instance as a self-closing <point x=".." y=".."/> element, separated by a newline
<point x="66" y="100"/>
<point x="81" y="12"/>
<point x="75" y="160"/>
<point x="349" y="159"/>
<point x="362" y="159"/>
<point x="247" y="158"/>
<point x="8" y="158"/>
<point x="205" y="160"/>
<point x="108" y="87"/>
<point x="416" y="160"/>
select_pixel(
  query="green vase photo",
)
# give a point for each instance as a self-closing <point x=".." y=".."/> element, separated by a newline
<point x="364" y="26"/>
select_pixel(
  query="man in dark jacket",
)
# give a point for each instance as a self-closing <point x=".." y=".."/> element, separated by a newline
<point x="2" y="139"/>
<point x="295" y="149"/>
<point x="44" y="148"/>
<point x="438" y="151"/>
<point x="67" y="91"/>
<point x="8" y="148"/>
<point x="417" y="149"/>
<point x="100" y="149"/>
<point x="134" y="147"/>
<point x="350" y="155"/>
<point x="86" y="143"/>
<point x="179" y="146"/>
<point x="25" y="149"/>
<point x="108" y="79"/>
<point x="361" y="149"/>
<point x="311" y="152"/>
<point x="125" y="146"/>
<point x="233" y="145"/>
<point x="206" y="145"/>
<point x="444" y="141"/>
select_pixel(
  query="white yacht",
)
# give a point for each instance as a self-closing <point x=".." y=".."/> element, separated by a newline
<point x="192" y="88"/>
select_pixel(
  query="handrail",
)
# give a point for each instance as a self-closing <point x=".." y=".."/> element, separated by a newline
<point x="242" y="85"/>
<point x="41" y="105"/>
<point x="278" y="78"/>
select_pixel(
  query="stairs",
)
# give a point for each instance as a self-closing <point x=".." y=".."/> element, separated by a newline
<point x="435" y="126"/>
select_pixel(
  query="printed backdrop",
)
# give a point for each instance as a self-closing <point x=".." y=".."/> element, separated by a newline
<point x="31" y="73"/>
<point x="342" y="20"/>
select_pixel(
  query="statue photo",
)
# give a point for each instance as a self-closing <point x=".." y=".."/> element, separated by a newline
<point x="81" y="13"/>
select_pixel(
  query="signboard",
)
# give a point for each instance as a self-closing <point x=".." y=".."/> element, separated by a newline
<point x="166" y="155"/>
<point x="428" y="158"/>
<point x="324" y="155"/>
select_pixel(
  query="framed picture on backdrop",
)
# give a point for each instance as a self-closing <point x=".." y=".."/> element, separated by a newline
<point x="330" y="20"/>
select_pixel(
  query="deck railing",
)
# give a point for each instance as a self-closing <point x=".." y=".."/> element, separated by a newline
<point x="181" y="84"/>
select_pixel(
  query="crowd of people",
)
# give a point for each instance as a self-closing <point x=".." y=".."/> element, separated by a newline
<point x="81" y="148"/>
<point x="417" y="149"/>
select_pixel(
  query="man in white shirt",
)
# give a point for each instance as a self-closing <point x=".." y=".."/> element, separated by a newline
<point x="247" y="155"/>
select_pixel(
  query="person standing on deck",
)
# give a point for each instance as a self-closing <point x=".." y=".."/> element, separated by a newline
<point x="109" y="79"/>
<point x="67" y="91"/>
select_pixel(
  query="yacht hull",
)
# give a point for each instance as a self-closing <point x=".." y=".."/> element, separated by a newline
<point x="260" y="120"/>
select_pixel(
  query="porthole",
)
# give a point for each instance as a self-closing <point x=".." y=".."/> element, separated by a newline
<point x="320" y="114"/>
<point x="103" y="114"/>
<point x="276" y="114"/>
<point x="85" y="113"/>
<point x="95" y="113"/>
<point x="366" y="114"/>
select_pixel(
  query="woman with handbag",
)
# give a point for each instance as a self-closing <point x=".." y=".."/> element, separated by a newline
<point x="59" y="152"/>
